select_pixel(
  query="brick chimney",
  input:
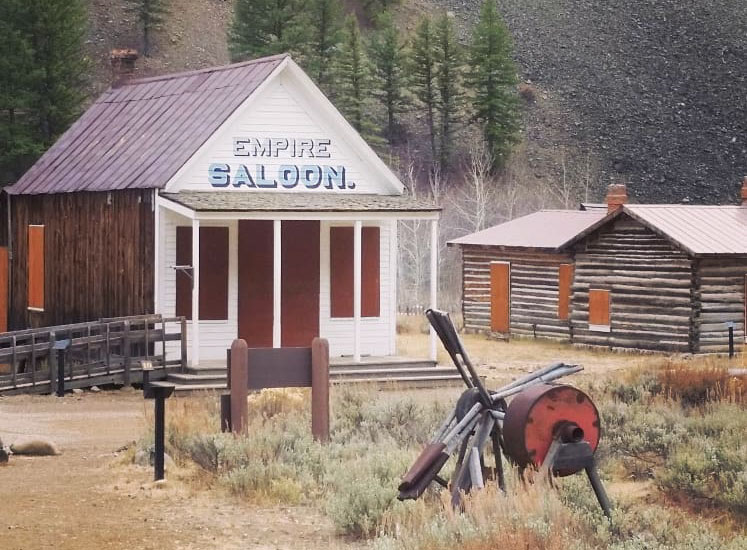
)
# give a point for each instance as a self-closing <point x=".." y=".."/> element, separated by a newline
<point x="744" y="191"/>
<point x="123" y="62"/>
<point x="617" y="195"/>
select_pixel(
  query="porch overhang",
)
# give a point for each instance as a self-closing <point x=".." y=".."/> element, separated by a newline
<point x="215" y="205"/>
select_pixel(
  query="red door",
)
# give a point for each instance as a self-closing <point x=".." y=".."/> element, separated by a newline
<point x="299" y="297"/>
<point x="255" y="282"/>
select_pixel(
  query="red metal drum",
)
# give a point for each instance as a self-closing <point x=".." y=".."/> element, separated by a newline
<point x="535" y="416"/>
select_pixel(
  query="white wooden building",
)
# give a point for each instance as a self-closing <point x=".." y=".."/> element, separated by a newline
<point x="237" y="196"/>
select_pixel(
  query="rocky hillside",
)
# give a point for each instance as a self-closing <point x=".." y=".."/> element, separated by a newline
<point x="650" y="93"/>
<point x="656" y="91"/>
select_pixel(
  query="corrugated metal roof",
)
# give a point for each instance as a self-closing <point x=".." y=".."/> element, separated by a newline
<point x="139" y="134"/>
<point x="243" y="201"/>
<point x="546" y="229"/>
<point x="700" y="230"/>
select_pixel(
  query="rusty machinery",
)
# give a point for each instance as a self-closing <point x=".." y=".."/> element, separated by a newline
<point x="552" y="427"/>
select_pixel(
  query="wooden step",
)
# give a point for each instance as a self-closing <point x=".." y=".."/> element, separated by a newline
<point x="399" y="372"/>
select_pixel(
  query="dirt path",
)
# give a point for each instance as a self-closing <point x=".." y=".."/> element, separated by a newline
<point x="87" y="499"/>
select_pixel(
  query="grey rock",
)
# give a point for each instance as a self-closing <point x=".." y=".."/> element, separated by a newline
<point x="95" y="389"/>
<point x="35" y="447"/>
<point x="147" y="457"/>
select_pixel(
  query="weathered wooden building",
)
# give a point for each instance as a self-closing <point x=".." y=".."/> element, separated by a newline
<point x="651" y="277"/>
<point x="236" y="196"/>
<point x="662" y="277"/>
<point x="516" y="277"/>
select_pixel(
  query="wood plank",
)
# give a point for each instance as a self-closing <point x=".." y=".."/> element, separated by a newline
<point x="599" y="307"/>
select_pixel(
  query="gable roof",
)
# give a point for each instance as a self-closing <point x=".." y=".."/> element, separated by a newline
<point x="137" y="135"/>
<point x="700" y="230"/>
<point x="546" y="230"/>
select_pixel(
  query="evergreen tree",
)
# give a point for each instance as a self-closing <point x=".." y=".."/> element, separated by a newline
<point x="150" y="15"/>
<point x="423" y="73"/>
<point x="18" y="146"/>
<point x="353" y="76"/>
<point x="449" y="83"/>
<point x="387" y="54"/>
<point x="325" y="25"/>
<point x="493" y="79"/>
<point x="265" y="27"/>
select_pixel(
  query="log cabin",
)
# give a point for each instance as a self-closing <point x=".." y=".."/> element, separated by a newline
<point x="236" y="196"/>
<point x="649" y="277"/>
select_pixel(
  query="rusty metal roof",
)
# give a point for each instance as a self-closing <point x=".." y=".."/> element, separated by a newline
<point x="138" y="134"/>
<point x="249" y="201"/>
<point x="699" y="230"/>
<point x="546" y="230"/>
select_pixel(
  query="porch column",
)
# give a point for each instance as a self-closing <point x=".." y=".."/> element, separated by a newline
<point x="434" y="282"/>
<point x="195" y="292"/>
<point x="393" y="261"/>
<point x="276" y="284"/>
<point x="358" y="229"/>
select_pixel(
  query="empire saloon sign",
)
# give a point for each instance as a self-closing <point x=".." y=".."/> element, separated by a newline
<point x="304" y="169"/>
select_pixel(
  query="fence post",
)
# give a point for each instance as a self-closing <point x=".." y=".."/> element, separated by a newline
<point x="184" y="343"/>
<point x="239" y="385"/>
<point x="320" y="389"/>
<point x="126" y="352"/>
<point x="52" y="363"/>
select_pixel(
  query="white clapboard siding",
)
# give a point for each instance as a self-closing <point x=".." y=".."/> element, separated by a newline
<point x="215" y="336"/>
<point x="279" y="110"/>
<point x="375" y="331"/>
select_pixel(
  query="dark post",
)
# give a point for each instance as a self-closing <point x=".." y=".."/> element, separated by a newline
<point x="239" y="385"/>
<point x="60" y="347"/>
<point x="225" y="398"/>
<point x="183" y="329"/>
<point x="52" y="363"/>
<point x="731" y="340"/>
<point x="320" y="389"/>
<point x="126" y="352"/>
<point x="159" y="429"/>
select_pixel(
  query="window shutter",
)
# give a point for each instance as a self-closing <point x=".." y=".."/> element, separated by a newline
<point x="341" y="271"/>
<point x="341" y="255"/>
<point x="370" y="276"/>
<point x="213" y="273"/>
<point x="36" y="267"/>
<point x="565" y="279"/>
<point x="599" y="307"/>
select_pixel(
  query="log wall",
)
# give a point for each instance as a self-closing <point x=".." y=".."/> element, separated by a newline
<point x="650" y="284"/>
<point x="720" y="294"/>
<point x="534" y="291"/>
<point x="99" y="253"/>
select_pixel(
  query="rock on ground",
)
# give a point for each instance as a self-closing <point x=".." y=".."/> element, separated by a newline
<point x="35" y="447"/>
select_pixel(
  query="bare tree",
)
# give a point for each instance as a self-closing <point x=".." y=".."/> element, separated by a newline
<point x="475" y="200"/>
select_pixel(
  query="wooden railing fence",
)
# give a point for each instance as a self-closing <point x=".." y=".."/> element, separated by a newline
<point x="107" y="351"/>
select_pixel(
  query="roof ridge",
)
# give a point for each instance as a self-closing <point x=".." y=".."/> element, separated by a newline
<point x="218" y="68"/>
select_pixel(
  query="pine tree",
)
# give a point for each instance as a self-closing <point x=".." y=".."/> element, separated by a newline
<point x="18" y="146"/>
<point x="353" y="76"/>
<point x="150" y="16"/>
<point x="265" y="27"/>
<point x="493" y="80"/>
<point x="449" y="83"/>
<point x="387" y="54"/>
<point x="423" y="73"/>
<point x="325" y="25"/>
<point x="54" y="30"/>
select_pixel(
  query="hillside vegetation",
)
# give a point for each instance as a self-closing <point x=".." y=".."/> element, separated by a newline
<point x="653" y="94"/>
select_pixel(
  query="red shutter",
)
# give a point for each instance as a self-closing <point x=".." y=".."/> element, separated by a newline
<point x="370" y="279"/>
<point x="213" y="273"/>
<point x="256" y="240"/>
<point x="341" y="255"/>
<point x="599" y="307"/>
<point x="500" y="297"/>
<point x="341" y="271"/>
<point x="36" y="267"/>
<point x="183" y="280"/>
<point x="565" y="279"/>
